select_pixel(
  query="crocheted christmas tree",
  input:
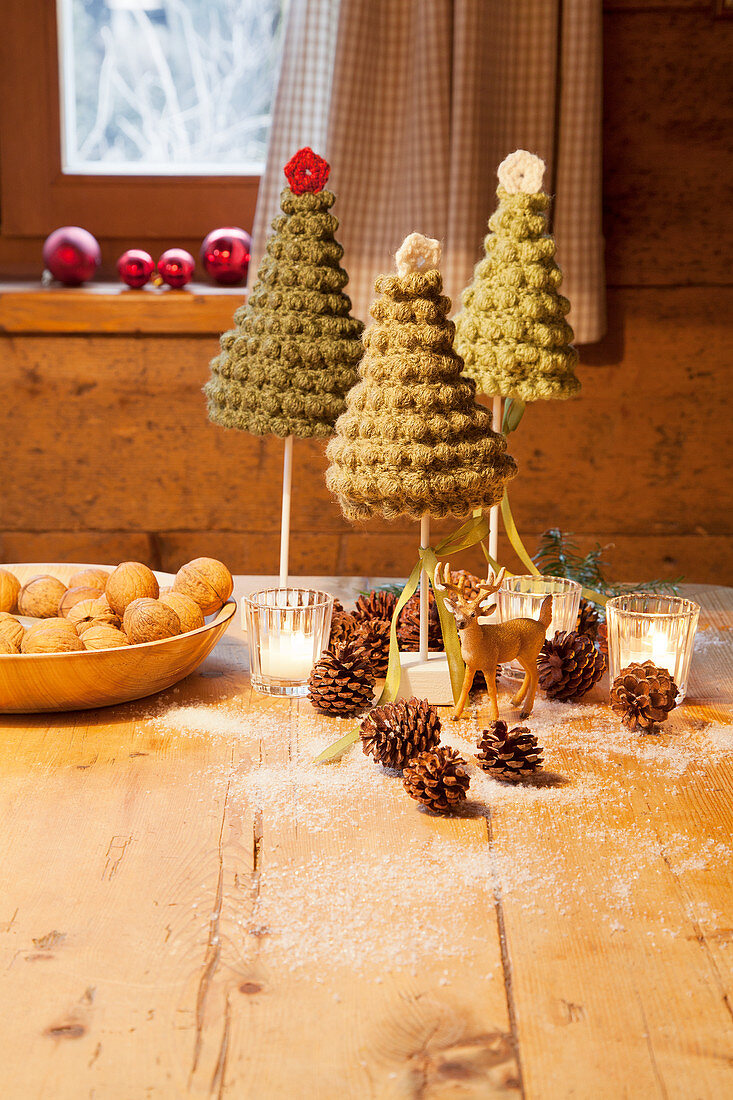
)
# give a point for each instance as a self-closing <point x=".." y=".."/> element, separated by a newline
<point x="291" y="359"/>
<point x="412" y="440"/>
<point x="512" y="331"/>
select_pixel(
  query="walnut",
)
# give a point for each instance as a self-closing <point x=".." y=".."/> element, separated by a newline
<point x="149" y="620"/>
<point x="51" y="636"/>
<point x="130" y="581"/>
<point x="86" y="612"/>
<point x="90" y="578"/>
<point x="40" y="597"/>
<point x="103" y="636"/>
<point x="207" y="581"/>
<point x="187" y="610"/>
<point x="9" y="589"/>
<point x="73" y="596"/>
<point x="11" y="631"/>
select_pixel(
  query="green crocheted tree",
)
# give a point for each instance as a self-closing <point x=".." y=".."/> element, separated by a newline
<point x="289" y="363"/>
<point x="413" y="441"/>
<point x="512" y="332"/>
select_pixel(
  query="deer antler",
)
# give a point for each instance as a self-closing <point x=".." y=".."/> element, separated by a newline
<point x="491" y="584"/>
<point x="446" y="583"/>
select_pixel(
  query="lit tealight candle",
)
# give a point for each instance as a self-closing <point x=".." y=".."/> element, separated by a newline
<point x="655" y="647"/>
<point x="662" y="655"/>
<point x="287" y="655"/>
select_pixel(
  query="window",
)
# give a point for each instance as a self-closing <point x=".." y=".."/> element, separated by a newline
<point x="144" y="120"/>
<point x="167" y="86"/>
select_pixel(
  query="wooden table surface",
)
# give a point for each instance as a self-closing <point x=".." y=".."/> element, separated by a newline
<point x="190" y="907"/>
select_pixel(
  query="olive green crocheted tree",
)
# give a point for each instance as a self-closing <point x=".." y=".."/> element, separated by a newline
<point x="412" y="440"/>
<point x="287" y="366"/>
<point x="512" y="332"/>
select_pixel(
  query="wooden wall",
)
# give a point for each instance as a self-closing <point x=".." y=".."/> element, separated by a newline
<point x="107" y="453"/>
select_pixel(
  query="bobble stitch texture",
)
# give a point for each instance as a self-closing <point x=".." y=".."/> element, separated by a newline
<point x="289" y="363"/>
<point x="512" y="331"/>
<point x="413" y="439"/>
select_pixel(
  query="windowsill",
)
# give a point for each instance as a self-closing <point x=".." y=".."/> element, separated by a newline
<point x="115" y="309"/>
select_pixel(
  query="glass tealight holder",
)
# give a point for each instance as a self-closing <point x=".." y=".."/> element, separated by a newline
<point x="646" y="627"/>
<point x="522" y="597"/>
<point x="288" y="630"/>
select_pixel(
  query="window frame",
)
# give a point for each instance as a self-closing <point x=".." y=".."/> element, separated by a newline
<point x="37" y="197"/>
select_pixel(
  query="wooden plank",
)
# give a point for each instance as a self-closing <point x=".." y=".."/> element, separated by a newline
<point x="217" y="917"/>
<point x="616" y="902"/>
<point x="114" y="308"/>
<point x="111" y="834"/>
<point x="85" y="421"/>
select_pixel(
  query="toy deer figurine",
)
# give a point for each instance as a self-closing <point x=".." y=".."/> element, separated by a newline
<point x="485" y="645"/>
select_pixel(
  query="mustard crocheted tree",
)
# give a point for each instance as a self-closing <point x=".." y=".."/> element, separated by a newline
<point x="512" y="332"/>
<point x="412" y="440"/>
<point x="287" y="366"/>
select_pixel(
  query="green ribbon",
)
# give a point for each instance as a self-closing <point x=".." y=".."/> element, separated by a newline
<point x="394" y="669"/>
<point x="521" y="552"/>
<point x="513" y="413"/>
<point x="468" y="534"/>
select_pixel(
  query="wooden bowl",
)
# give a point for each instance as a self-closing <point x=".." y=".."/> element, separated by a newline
<point x="100" y="678"/>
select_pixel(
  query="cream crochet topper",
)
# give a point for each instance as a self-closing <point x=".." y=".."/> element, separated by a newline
<point x="512" y="331"/>
<point x="412" y="439"/>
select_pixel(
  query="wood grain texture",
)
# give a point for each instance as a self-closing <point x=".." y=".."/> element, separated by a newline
<point x="668" y="153"/>
<point x="132" y="863"/>
<point x="100" y="308"/>
<point x="109" y="435"/>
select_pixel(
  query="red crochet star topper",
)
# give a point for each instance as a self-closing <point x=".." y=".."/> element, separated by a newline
<point x="306" y="171"/>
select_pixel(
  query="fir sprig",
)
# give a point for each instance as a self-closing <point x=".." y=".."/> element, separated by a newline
<point x="559" y="555"/>
<point x="394" y="587"/>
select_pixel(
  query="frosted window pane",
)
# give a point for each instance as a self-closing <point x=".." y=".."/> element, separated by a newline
<point x="156" y="87"/>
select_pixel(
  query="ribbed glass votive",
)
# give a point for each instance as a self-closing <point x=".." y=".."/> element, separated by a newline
<point x="647" y="627"/>
<point x="521" y="597"/>
<point x="288" y="629"/>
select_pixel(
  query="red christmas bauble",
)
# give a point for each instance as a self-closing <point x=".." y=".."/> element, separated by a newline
<point x="135" y="267"/>
<point x="71" y="254"/>
<point x="176" y="267"/>
<point x="225" y="255"/>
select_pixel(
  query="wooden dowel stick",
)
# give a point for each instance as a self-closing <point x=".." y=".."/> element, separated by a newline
<point x="424" y="589"/>
<point x="285" y="518"/>
<point x="496" y="421"/>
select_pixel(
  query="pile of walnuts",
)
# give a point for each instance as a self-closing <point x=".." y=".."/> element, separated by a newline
<point x="104" y="609"/>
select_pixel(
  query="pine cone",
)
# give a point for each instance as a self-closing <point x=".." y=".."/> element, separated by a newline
<point x="602" y="638"/>
<point x="342" y="681"/>
<point x="643" y="695"/>
<point x="437" y="778"/>
<point x="588" y="620"/>
<point x="509" y="754"/>
<point x="373" y="636"/>
<point x="408" y="626"/>
<point x="343" y="628"/>
<point x="569" y="666"/>
<point x="376" y="605"/>
<point x="470" y="582"/>
<point x="396" y="732"/>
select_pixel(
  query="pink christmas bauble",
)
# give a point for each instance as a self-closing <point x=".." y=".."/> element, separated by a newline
<point x="225" y="255"/>
<point x="176" y="267"/>
<point x="135" y="267"/>
<point x="71" y="254"/>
